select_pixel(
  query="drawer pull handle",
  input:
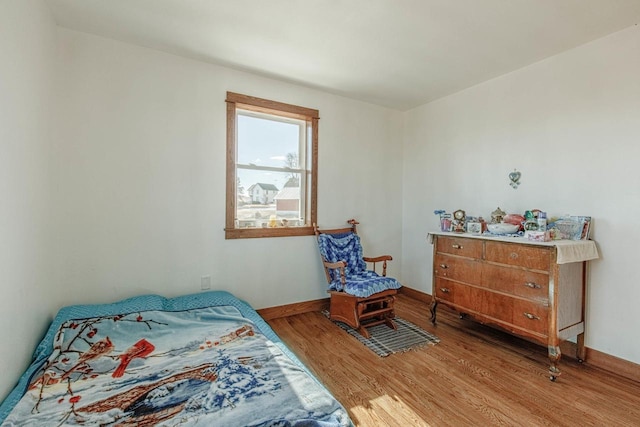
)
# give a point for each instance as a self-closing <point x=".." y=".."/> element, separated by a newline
<point x="531" y="316"/>
<point x="445" y="290"/>
<point x="456" y="246"/>
<point x="444" y="266"/>
<point x="532" y="285"/>
<point x="513" y="255"/>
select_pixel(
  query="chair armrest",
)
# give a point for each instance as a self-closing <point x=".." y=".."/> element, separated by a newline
<point x="340" y="265"/>
<point x="383" y="259"/>
<point x="378" y="258"/>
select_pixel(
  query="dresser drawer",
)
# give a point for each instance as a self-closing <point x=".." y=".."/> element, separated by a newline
<point x="519" y="255"/>
<point x="496" y="305"/>
<point x="444" y="289"/>
<point x="531" y="316"/>
<point x="465" y="297"/>
<point x="516" y="281"/>
<point x="459" y="246"/>
<point x="455" y="268"/>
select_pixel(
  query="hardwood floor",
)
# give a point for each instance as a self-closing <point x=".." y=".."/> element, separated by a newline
<point x="475" y="376"/>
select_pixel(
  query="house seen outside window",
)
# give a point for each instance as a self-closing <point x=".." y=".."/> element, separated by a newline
<point x="263" y="193"/>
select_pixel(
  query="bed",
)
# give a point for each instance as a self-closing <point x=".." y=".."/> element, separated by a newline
<point x="203" y="359"/>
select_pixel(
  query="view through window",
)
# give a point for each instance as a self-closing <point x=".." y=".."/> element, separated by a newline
<point x="271" y="168"/>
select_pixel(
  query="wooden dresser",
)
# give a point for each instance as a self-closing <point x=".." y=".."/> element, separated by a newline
<point x="522" y="287"/>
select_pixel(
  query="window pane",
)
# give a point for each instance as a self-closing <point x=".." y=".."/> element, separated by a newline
<point x="267" y="196"/>
<point x="264" y="142"/>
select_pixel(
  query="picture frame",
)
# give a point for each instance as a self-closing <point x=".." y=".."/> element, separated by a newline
<point x="474" y="227"/>
<point x="586" y="226"/>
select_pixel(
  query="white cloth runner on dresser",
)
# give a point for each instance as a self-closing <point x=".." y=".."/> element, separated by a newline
<point x="575" y="250"/>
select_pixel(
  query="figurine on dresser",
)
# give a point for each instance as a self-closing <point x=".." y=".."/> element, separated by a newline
<point x="459" y="222"/>
<point x="497" y="216"/>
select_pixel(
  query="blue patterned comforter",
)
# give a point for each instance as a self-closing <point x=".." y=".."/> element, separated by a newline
<point x="196" y="360"/>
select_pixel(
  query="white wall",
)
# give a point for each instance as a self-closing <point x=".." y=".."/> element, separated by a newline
<point x="139" y="170"/>
<point x="127" y="196"/>
<point x="27" y="47"/>
<point x="570" y="124"/>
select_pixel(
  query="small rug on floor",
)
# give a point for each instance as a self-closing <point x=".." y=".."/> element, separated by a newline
<point x="385" y="341"/>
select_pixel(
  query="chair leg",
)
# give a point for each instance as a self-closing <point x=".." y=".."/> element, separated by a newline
<point x="390" y="323"/>
<point x="362" y="313"/>
<point x="363" y="331"/>
<point x="344" y="309"/>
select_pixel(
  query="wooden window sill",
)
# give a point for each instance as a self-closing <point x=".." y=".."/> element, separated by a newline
<point x="250" y="233"/>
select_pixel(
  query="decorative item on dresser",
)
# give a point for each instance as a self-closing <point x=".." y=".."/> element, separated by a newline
<point x="535" y="290"/>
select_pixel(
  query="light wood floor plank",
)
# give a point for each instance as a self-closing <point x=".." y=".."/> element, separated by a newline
<point x="476" y="376"/>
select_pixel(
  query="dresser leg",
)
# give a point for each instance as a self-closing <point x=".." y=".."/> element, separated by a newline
<point x="432" y="309"/>
<point x="554" y="357"/>
<point x="581" y="354"/>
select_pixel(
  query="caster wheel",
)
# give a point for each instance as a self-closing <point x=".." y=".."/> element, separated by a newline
<point x="552" y="378"/>
<point x="580" y="360"/>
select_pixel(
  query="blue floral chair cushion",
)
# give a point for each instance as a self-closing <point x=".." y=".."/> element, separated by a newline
<point x="360" y="282"/>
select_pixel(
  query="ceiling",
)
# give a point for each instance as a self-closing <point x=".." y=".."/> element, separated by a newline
<point x="394" y="53"/>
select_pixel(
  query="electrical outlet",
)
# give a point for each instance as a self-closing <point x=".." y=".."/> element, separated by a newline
<point x="205" y="283"/>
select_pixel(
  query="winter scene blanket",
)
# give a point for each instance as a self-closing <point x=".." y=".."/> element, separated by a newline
<point x="207" y="366"/>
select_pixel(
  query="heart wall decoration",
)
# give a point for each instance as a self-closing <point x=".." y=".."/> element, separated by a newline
<point x="514" y="177"/>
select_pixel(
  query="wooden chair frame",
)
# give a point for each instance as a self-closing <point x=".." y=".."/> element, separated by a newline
<point x="359" y="312"/>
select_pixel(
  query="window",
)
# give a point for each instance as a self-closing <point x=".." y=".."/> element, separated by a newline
<point x="272" y="160"/>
